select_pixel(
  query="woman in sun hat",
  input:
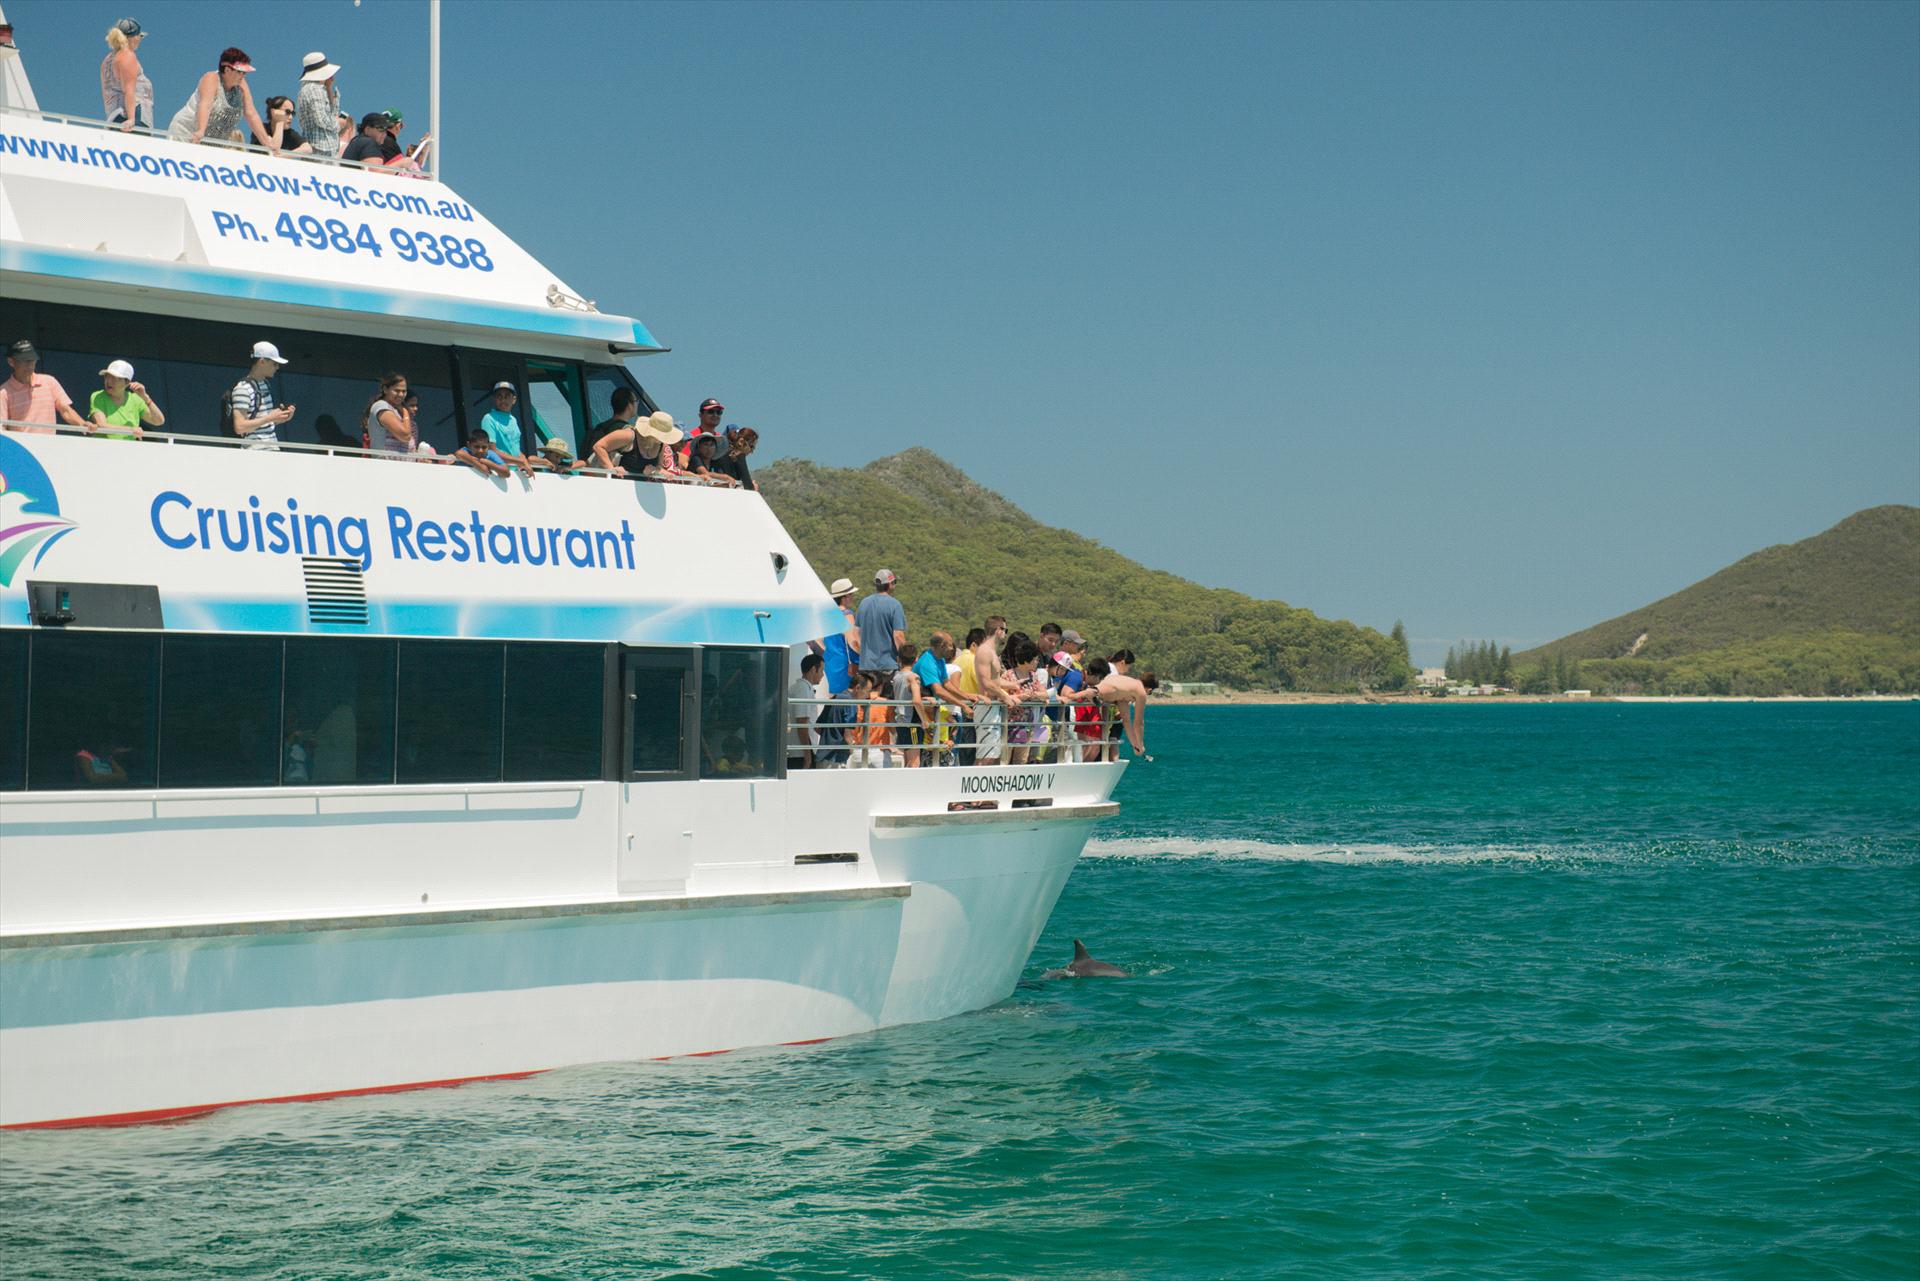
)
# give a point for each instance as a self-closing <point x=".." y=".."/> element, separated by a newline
<point x="124" y="86"/>
<point x="317" y="105"/>
<point x="219" y="102"/>
<point x="644" y="449"/>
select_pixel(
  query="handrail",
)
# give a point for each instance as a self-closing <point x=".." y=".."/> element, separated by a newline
<point x="933" y="733"/>
<point x="148" y="131"/>
<point x="116" y="434"/>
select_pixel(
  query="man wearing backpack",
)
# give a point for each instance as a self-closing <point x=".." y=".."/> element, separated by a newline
<point x="249" y="409"/>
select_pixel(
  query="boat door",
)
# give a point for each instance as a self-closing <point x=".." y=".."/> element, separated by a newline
<point x="658" y="787"/>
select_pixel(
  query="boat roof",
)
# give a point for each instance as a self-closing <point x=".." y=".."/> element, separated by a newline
<point x="86" y="207"/>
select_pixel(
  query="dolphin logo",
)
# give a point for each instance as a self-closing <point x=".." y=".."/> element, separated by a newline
<point x="30" y="519"/>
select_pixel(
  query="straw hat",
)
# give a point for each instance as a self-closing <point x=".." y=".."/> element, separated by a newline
<point x="660" y="427"/>
<point x="557" y="446"/>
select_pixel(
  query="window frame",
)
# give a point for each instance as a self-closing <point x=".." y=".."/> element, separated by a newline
<point x="687" y="660"/>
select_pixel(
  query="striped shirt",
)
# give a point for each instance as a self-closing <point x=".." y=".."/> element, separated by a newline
<point x="252" y="398"/>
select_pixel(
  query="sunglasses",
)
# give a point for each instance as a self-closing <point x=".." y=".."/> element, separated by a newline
<point x="710" y="413"/>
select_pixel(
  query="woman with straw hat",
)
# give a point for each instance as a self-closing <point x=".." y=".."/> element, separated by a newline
<point x="644" y="449"/>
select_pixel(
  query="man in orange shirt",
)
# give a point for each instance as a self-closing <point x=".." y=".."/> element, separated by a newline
<point x="33" y="397"/>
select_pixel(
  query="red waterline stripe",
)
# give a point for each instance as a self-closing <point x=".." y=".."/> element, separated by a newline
<point x="202" y="1109"/>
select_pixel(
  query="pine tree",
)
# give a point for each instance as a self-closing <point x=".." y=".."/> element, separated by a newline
<point x="1400" y="639"/>
<point x="1504" y="676"/>
<point x="1453" y="664"/>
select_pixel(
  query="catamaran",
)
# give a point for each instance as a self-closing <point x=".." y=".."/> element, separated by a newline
<point x="323" y="773"/>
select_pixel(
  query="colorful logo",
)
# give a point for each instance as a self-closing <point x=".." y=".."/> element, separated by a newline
<point x="30" y="519"/>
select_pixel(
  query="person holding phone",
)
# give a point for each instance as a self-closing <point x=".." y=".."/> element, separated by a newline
<point x="251" y="411"/>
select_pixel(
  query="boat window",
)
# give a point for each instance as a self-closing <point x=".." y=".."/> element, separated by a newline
<point x="13" y="710"/>
<point x="338" y="723"/>
<point x="741" y="701"/>
<point x="91" y="711"/>
<point x="658" y="684"/>
<point x="189" y="363"/>
<point x="555" y="700"/>
<point x="449" y="712"/>
<point x="602" y="381"/>
<point x="220" y="722"/>
<point x="554" y="405"/>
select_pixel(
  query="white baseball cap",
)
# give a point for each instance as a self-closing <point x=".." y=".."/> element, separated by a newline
<point x="267" y="351"/>
<point x="119" y="369"/>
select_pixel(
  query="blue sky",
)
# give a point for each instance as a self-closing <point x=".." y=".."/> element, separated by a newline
<point x="1497" y="319"/>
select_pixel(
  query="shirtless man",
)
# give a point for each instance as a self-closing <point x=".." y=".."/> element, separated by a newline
<point x="998" y="694"/>
<point x="1129" y="693"/>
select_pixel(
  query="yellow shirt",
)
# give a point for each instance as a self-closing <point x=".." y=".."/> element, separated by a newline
<point x="969" y="683"/>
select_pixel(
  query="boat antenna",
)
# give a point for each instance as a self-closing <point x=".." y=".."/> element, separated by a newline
<point x="433" y="86"/>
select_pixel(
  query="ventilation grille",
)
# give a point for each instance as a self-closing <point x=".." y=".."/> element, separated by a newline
<point x="336" y="592"/>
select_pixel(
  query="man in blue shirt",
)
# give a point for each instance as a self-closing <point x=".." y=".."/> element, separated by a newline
<point x="883" y="627"/>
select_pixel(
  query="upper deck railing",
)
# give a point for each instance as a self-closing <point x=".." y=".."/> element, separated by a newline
<point x="227" y="144"/>
<point x="115" y="435"/>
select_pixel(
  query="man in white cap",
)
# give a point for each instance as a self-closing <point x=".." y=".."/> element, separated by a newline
<point x="318" y="104"/>
<point x="841" y="653"/>
<point x="250" y="406"/>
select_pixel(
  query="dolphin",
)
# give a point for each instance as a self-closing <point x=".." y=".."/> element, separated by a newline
<point x="1083" y="966"/>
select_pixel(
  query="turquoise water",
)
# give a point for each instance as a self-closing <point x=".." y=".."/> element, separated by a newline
<point x="1431" y="992"/>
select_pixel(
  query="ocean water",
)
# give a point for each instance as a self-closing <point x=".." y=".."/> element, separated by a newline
<point x="1431" y="992"/>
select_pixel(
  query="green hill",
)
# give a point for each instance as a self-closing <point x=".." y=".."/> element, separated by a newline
<point x="963" y="552"/>
<point x="1838" y="613"/>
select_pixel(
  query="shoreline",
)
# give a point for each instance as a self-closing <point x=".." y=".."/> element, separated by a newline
<point x="1276" y="698"/>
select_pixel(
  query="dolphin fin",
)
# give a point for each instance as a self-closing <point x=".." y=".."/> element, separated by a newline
<point x="1080" y="952"/>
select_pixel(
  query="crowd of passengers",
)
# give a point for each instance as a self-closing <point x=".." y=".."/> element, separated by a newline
<point x="867" y="697"/>
<point x="221" y="109"/>
<point x="653" y="447"/>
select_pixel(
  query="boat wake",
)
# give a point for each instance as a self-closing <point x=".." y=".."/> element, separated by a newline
<point x="1249" y="850"/>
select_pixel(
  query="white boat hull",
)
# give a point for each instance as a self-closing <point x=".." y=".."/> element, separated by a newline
<point x="937" y="917"/>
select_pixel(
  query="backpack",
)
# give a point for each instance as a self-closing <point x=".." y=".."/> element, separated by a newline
<point x="226" y="413"/>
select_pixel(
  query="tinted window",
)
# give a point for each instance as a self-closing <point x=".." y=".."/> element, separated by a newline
<point x="554" y="402"/>
<point x="220" y="715"/>
<point x="13" y="710"/>
<point x="188" y="363"/>
<point x="602" y="381"/>
<point x="656" y="708"/>
<point x="91" y="715"/>
<point x="740" y="705"/>
<point x="338" y="726"/>
<point x="555" y="695"/>
<point x="449" y="712"/>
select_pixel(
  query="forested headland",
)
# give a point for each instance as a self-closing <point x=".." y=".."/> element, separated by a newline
<point x="964" y="552"/>
<point x="1834" y="614"/>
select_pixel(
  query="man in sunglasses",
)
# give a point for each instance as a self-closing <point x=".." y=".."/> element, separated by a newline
<point x="711" y="412"/>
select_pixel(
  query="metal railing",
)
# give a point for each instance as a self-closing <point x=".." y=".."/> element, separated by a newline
<point x="878" y="733"/>
<point x="144" y="435"/>
<point x="228" y="144"/>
